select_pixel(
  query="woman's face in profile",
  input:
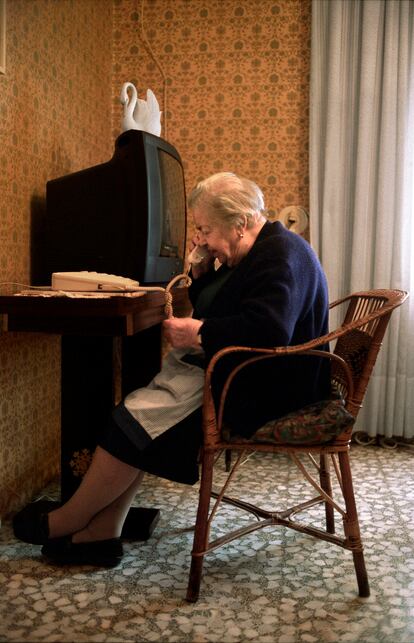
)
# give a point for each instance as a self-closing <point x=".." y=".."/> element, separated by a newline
<point x="221" y="242"/>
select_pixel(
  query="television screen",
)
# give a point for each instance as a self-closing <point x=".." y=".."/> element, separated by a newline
<point x="173" y="205"/>
<point x="125" y="217"/>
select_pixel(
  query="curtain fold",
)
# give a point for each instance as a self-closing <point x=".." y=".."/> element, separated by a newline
<point x="362" y="178"/>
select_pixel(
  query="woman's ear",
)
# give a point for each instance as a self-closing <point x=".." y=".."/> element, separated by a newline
<point x="243" y="224"/>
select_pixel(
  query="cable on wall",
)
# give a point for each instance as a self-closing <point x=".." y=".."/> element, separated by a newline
<point x="157" y="62"/>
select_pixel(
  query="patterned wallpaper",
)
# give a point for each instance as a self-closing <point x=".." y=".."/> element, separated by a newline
<point x="55" y="112"/>
<point x="235" y="76"/>
<point x="232" y="77"/>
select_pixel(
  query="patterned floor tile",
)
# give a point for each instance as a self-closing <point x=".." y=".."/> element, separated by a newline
<point x="272" y="586"/>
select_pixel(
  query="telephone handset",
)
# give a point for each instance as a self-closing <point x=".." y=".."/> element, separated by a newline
<point x="197" y="254"/>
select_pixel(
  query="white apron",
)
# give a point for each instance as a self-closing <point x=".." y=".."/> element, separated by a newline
<point x="174" y="393"/>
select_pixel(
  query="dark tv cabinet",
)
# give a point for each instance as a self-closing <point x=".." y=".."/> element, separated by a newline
<point x="109" y="348"/>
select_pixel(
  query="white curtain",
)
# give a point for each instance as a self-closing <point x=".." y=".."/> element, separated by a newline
<point x="362" y="178"/>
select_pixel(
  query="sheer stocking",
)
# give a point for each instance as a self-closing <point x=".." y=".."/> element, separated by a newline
<point x="102" y="499"/>
<point x="108" y="523"/>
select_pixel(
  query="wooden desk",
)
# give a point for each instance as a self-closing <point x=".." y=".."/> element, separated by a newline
<point x="109" y="348"/>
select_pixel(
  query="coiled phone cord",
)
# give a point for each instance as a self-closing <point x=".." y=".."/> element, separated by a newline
<point x="168" y="308"/>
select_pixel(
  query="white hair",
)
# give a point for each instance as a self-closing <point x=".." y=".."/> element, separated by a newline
<point x="228" y="199"/>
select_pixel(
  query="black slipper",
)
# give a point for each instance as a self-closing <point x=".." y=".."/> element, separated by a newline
<point x="139" y="523"/>
<point x="31" y="524"/>
<point x="100" y="553"/>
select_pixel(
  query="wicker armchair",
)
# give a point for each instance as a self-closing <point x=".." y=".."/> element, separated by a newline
<point x="354" y="349"/>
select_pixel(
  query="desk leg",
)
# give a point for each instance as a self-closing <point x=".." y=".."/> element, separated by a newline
<point x="90" y="369"/>
<point x="87" y="400"/>
<point x="140" y="358"/>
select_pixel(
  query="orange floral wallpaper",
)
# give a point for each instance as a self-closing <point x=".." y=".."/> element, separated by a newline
<point x="55" y="113"/>
<point x="232" y="77"/>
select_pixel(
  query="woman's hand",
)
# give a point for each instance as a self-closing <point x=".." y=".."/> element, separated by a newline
<point x="203" y="266"/>
<point x="182" y="332"/>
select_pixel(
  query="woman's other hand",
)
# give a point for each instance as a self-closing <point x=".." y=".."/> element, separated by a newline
<point x="181" y="332"/>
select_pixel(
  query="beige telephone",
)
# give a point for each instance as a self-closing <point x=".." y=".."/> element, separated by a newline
<point x="197" y="254"/>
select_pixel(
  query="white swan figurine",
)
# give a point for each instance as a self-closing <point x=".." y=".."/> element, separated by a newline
<point x="140" y="114"/>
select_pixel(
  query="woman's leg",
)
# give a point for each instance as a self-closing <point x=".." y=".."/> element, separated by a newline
<point x="108" y="523"/>
<point x="107" y="482"/>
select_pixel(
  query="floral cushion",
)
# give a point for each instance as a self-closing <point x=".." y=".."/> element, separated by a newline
<point x="314" y="424"/>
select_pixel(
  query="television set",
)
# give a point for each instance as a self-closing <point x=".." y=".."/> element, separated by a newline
<point x="124" y="217"/>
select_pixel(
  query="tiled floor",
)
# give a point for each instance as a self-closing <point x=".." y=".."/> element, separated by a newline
<point x="275" y="586"/>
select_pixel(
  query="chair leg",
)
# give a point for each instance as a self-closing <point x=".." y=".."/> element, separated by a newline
<point x="351" y="525"/>
<point x="201" y="531"/>
<point x="325" y="481"/>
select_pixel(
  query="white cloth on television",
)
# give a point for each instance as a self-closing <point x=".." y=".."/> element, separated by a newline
<point x="174" y="393"/>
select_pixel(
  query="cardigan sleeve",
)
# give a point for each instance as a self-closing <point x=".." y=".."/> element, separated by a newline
<point x="271" y="296"/>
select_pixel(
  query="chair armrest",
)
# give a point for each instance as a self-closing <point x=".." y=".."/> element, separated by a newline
<point x="212" y="422"/>
<point x="387" y="300"/>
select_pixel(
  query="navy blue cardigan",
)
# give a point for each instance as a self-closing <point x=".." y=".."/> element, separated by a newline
<point x="276" y="296"/>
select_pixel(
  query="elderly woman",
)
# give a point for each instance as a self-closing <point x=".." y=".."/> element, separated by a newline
<point x="269" y="290"/>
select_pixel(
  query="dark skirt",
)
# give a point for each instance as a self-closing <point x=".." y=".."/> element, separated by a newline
<point x="172" y="455"/>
